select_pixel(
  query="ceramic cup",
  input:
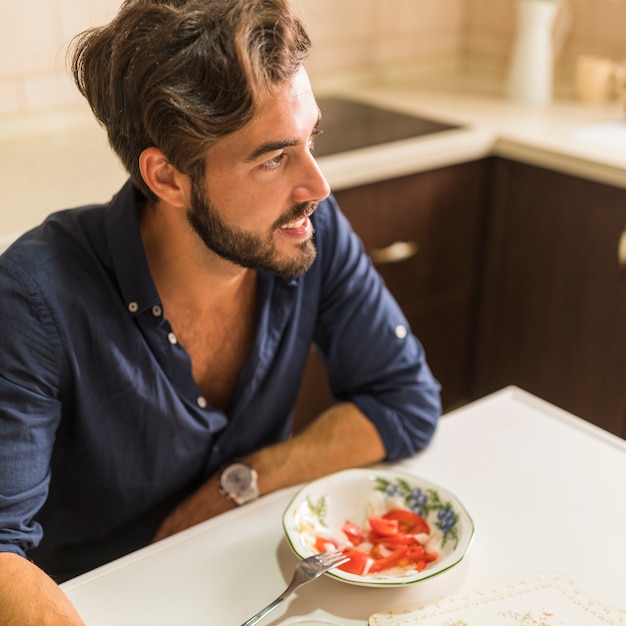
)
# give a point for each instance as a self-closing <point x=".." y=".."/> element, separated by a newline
<point x="594" y="78"/>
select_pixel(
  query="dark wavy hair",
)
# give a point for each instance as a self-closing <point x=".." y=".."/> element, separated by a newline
<point x="181" y="74"/>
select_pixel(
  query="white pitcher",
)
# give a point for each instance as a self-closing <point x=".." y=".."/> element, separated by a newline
<point x="541" y="29"/>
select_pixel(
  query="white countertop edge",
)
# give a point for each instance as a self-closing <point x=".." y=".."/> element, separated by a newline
<point x="516" y="394"/>
<point x="568" y="418"/>
<point x="401" y="158"/>
<point x="559" y="162"/>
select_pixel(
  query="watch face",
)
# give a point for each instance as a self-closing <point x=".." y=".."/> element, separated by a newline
<point x="236" y="478"/>
<point x="238" y="483"/>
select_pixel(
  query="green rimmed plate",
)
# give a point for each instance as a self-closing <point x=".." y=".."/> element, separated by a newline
<point x="322" y="507"/>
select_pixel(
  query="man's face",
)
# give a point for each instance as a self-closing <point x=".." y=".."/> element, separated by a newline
<point x="262" y="184"/>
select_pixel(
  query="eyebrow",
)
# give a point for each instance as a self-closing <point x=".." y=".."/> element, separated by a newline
<point x="271" y="146"/>
<point x="281" y="144"/>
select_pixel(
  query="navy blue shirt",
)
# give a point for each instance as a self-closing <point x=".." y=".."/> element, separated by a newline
<point x="102" y="427"/>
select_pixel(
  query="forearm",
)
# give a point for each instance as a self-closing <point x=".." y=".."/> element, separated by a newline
<point x="29" y="596"/>
<point x="340" y="438"/>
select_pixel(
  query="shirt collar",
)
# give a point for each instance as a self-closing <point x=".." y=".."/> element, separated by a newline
<point x="128" y="254"/>
<point x="127" y="251"/>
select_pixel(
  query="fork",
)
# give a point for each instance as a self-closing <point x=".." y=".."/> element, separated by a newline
<point x="306" y="571"/>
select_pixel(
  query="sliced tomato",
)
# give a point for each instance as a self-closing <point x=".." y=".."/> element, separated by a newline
<point x="382" y="527"/>
<point x="415" y="553"/>
<point x="419" y="558"/>
<point x="431" y="557"/>
<point x="408" y="521"/>
<point x="393" y="539"/>
<point x="353" y="533"/>
<point x="357" y="563"/>
<point x="400" y="539"/>
<point x="387" y="562"/>
<point x="322" y="544"/>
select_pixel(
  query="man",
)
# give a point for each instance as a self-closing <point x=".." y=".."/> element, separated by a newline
<point x="153" y="347"/>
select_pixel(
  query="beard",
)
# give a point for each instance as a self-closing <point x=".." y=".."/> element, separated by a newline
<point x="246" y="249"/>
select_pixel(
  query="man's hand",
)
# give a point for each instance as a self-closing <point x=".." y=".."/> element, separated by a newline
<point x="341" y="438"/>
<point x="29" y="596"/>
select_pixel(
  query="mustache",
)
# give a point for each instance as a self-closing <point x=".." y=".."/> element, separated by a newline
<point x="297" y="212"/>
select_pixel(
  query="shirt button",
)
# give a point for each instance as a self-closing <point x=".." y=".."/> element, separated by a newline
<point x="156" y="310"/>
<point x="171" y="337"/>
<point x="133" y="307"/>
<point x="202" y="403"/>
<point x="400" y="331"/>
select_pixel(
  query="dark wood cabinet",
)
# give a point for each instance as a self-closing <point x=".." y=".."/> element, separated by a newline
<point x="553" y="305"/>
<point x="425" y="234"/>
<point x="519" y="278"/>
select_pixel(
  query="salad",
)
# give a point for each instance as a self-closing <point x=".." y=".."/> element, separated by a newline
<point x="396" y="540"/>
<point x="395" y="528"/>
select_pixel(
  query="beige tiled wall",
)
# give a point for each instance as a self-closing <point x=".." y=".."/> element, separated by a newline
<point x="33" y="39"/>
<point x="357" y="34"/>
<point x="597" y="27"/>
<point x="349" y="35"/>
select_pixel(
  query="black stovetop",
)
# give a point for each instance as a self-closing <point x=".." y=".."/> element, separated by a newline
<point x="350" y="125"/>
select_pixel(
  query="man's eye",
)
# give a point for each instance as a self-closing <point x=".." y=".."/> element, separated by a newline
<point x="273" y="163"/>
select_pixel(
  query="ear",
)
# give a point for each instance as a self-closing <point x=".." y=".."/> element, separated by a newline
<point x="165" y="181"/>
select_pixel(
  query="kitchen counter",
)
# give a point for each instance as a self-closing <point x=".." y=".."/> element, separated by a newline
<point x="579" y="139"/>
<point x="62" y="159"/>
<point x="536" y="508"/>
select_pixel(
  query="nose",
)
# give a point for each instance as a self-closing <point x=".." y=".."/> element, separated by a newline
<point x="312" y="186"/>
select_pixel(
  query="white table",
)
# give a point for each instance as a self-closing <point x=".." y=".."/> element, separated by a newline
<point x="545" y="490"/>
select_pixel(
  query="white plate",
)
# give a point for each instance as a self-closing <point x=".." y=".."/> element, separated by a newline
<point x="330" y="501"/>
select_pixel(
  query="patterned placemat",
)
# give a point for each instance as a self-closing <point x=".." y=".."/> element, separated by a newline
<point x="547" y="599"/>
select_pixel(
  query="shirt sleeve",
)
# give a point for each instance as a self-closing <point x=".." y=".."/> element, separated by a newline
<point x="371" y="355"/>
<point x="29" y="410"/>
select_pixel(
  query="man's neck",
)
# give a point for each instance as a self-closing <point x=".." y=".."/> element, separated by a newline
<point x="195" y="277"/>
<point x="209" y="303"/>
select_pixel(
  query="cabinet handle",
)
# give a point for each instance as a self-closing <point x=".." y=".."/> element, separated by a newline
<point x="621" y="251"/>
<point x="394" y="253"/>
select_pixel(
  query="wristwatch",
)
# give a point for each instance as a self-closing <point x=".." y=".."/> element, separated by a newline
<point x="238" y="482"/>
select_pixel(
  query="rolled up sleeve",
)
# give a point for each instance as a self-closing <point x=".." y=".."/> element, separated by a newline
<point x="372" y="357"/>
<point x="28" y="414"/>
